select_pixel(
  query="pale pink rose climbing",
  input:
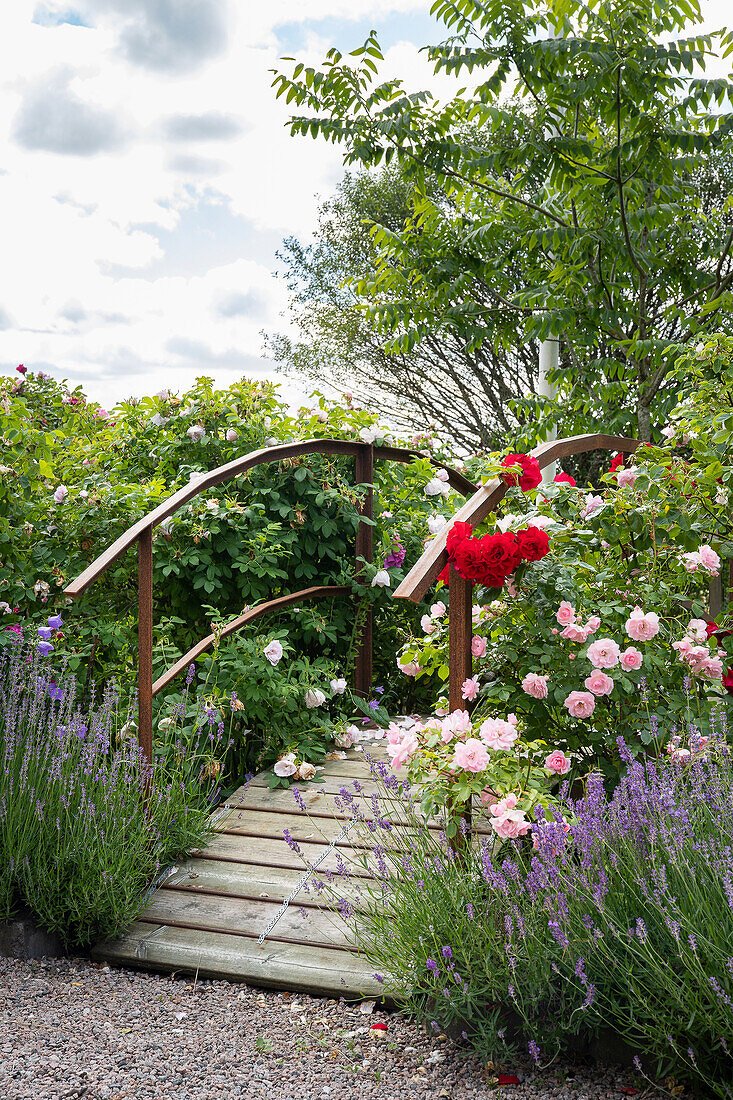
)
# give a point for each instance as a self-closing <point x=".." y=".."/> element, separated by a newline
<point x="478" y="646"/>
<point x="642" y="627"/>
<point x="599" y="683"/>
<point x="697" y="630"/>
<point x="592" y="625"/>
<point x="408" y="668"/>
<point x="580" y="704"/>
<point x="603" y="653"/>
<point x="504" y="805"/>
<point x="557" y="762"/>
<point x="469" y="688"/>
<point x="471" y="755"/>
<point x="574" y="632"/>
<point x="565" y="613"/>
<point x="498" y="734"/>
<point x="710" y="560"/>
<point x="427" y="624"/>
<point x="403" y="750"/>
<point x="455" y="725"/>
<point x="631" y="658"/>
<point x="627" y="477"/>
<point x="512" y="825"/>
<point x="535" y="684"/>
<point x="592" y="504"/>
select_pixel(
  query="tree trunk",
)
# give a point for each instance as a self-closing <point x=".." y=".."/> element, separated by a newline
<point x="644" y="422"/>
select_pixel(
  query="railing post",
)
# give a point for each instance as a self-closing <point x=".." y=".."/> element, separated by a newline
<point x="460" y="632"/>
<point x="365" y="549"/>
<point x="145" y="642"/>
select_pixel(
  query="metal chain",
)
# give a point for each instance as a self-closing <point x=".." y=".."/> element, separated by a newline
<point x="311" y="868"/>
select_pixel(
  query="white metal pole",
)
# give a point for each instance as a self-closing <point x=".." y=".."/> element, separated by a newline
<point x="549" y="358"/>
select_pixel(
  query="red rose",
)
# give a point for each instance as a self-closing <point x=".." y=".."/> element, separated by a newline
<point x="711" y="627"/>
<point x="617" y="461"/>
<point x="564" y="479"/>
<point x="530" y="476"/>
<point x="21" y="369"/>
<point x="456" y="535"/>
<point x="728" y="681"/>
<point x="488" y="560"/>
<point x="533" y="543"/>
<point x="443" y="575"/>
<point x="469" y="559"/>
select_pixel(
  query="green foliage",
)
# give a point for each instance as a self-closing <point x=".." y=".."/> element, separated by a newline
<point x="597" y="211"/>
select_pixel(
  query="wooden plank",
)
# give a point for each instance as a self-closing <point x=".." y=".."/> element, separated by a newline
<point x="274" y="853"/>
<point x="214" y="876"/>
<point x="318" y="970"/>
<point x="260" y="823"/>
<point x="330" y="783"/>
<point x="247" y="917"/>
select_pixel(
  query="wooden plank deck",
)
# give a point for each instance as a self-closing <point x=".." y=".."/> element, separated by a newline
<point x="206" y="916"/>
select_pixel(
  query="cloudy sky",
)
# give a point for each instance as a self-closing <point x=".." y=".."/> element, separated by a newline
<point x="147" y="179"/>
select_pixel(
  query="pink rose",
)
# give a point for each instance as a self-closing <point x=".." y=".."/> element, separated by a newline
<point x="427" y="624"/>
<point x="565" y="613"/>
<point x="603" y="653"/>
<point x="409" y="668"/>
<point x="535" y="685"/>
<point x="498" y="734"/>
<point x="402" y="751"/>
<point x="631" y="658"/>
<point x="455" y="725"/>
<point x="471" y="755"/>
<point x="580" y="704"/>
<point x="478" y="646"/>
<point x="557" y="762"/>
<point x="627" y="477"/>
<point x="499" y="808"/>
<point x="574" y="632"/>
<point x="511" y="825"/>
<point x="641" y="627"/>
<point x="469" y="688"/>
<point x="692" y="561"/>
<point x="709" y="560"/>
<point x="599" y="683"/>
<point x="592" y="504"/>
<point x="592" y="625"/>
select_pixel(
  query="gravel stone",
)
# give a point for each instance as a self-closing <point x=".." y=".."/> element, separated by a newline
<point x="74" y="1030"/>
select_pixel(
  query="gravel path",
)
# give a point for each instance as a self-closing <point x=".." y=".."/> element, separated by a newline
<point x="71" y="1029"/>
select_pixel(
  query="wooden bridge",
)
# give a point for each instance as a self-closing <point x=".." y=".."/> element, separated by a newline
<point x="207" y="917"/>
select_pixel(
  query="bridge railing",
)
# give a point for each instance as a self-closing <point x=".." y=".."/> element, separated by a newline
<point x="485" y="500"/>
<point x="141" y="533"/>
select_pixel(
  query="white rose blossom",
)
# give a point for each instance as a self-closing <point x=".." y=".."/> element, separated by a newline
<point x="314" y="698"/>
<point x="435" y="523"/>
<point x="285" y="766"/>
<point x="338" y="686"/>
<point x="273" y="651"/>
<point x="196" y="433"/>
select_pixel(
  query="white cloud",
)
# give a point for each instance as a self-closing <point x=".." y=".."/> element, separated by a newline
<point x="148" y="176"/>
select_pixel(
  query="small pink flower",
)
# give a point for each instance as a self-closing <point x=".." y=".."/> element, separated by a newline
<point x="554" y="630"/>
<point x="427" y="624"/>
<point x="627" y="477"/>
<point x="592" y="625"/>
<point x="599" y="682"/>
<point x="504" y="805"/>
<point x="709" y="560"/>
<point x="535" y="684"/>
<point x="511" y="825"/>
<point x="232" y="434"/>
<point x="498" y="734"/>
<point x="557" y="762"/>
<point x="455" y="725"/>
<point x="580" y="704"/>
<point x="592" y="504"/>
<point x="691" y="561"/>
<point x="603" y="653"/>
<point x="574" y="632"/>
<point x="478" y="646"/>
<point x="642" y="627"/>
<point x="469" y="688"/>
<point x="565" y="613"/>
<point x="402" y="751"/>
<point x="631" y="658"/>
<point x="408" y="668"/>
<point x="471" y="755"/>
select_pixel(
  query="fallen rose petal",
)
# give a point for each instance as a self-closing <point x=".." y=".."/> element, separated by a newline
<point x="378" y="1027"/>
<point x="627" y="1090"/>
<point x="507" y="1079"/>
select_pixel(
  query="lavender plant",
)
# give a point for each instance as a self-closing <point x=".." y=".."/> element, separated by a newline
<point x="85" y="825"/>
<point x="616" y="913"/>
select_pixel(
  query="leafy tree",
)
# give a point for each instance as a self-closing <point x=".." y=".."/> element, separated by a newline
<point x="437" y="384"/>
<point x="594" y="217"/>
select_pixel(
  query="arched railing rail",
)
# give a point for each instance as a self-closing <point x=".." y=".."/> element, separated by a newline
<point x="460" y="592"/>
<point x="141" y="532"/>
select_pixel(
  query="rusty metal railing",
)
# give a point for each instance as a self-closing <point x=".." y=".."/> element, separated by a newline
<point x="141" y="532"/>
